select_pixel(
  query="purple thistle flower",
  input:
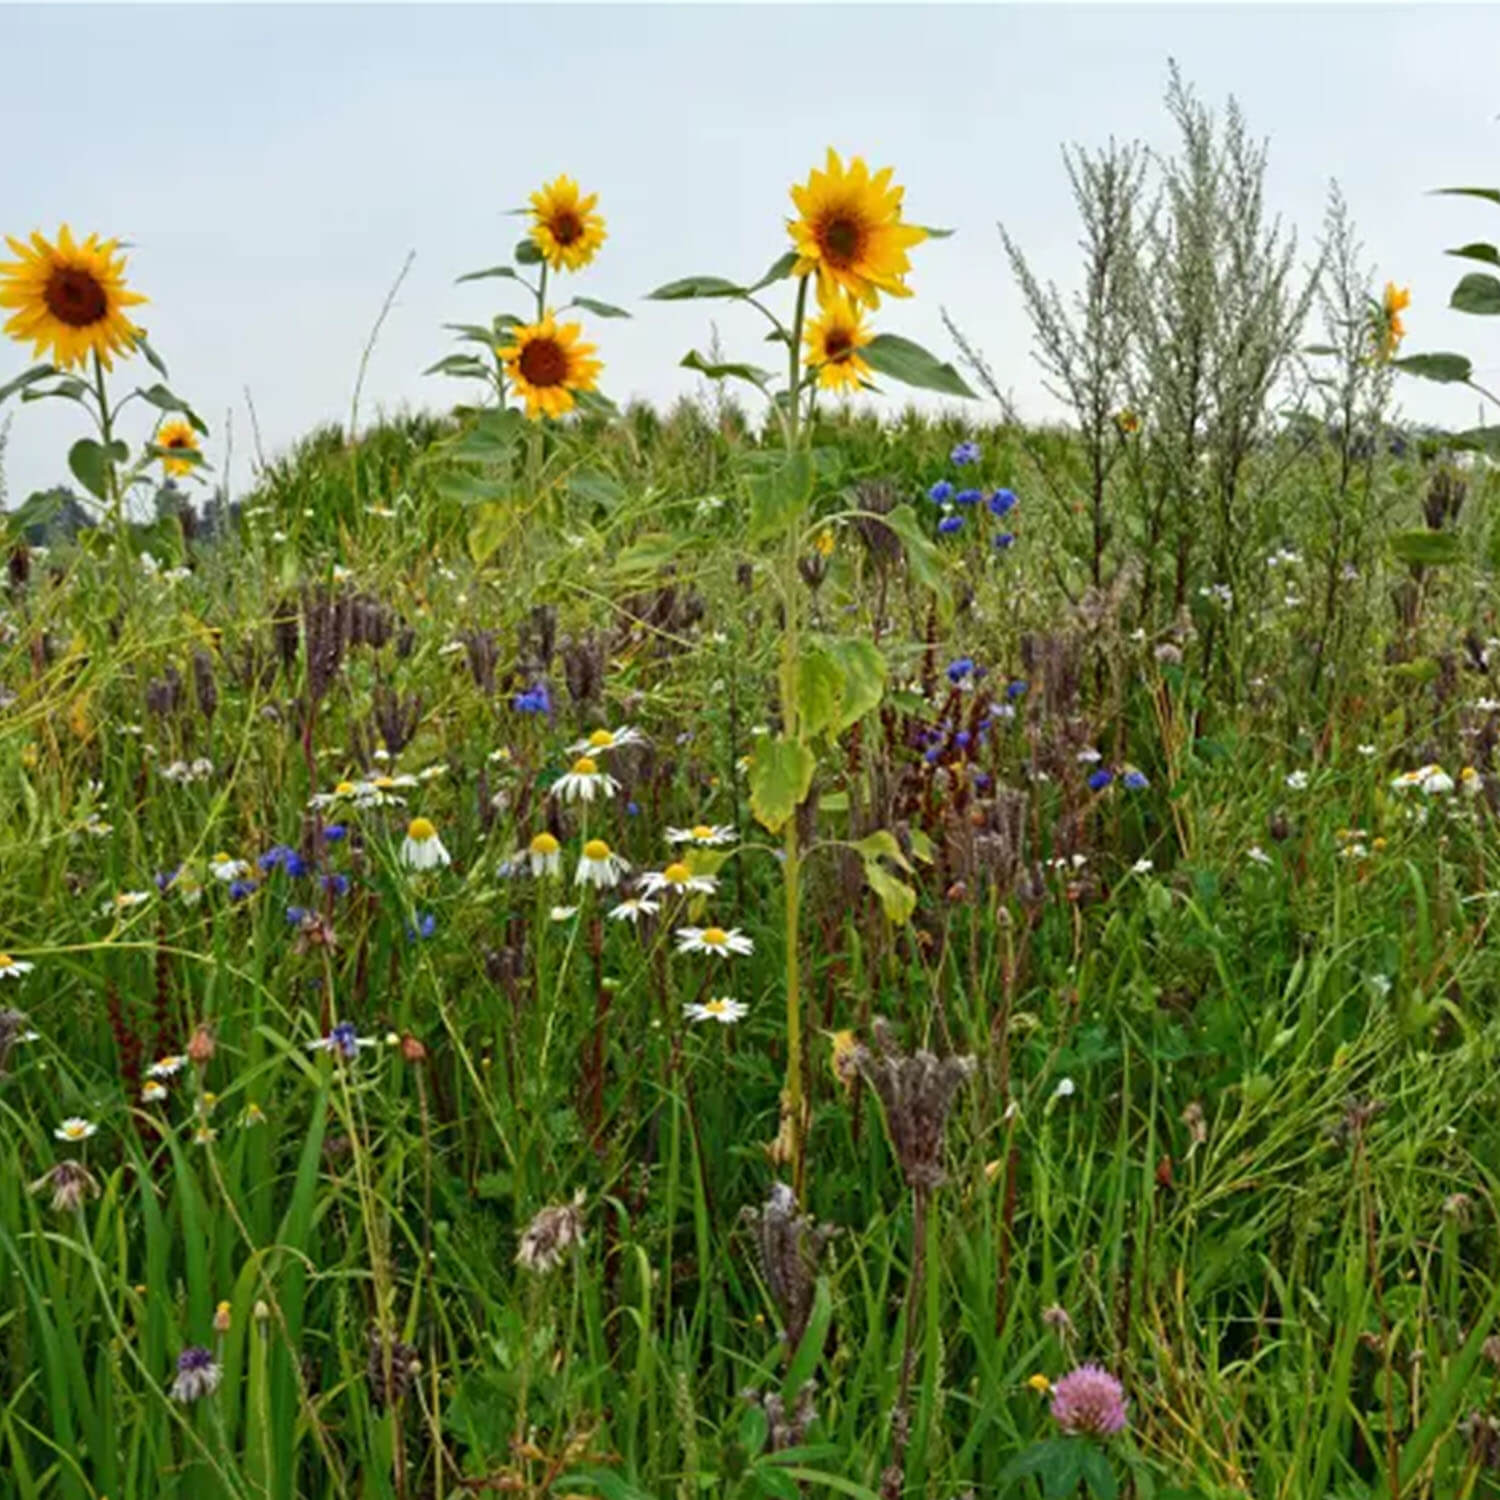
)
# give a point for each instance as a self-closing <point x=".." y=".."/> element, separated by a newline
<point x="949" y="524"/>
<point x="1089" y="1400"/>
<point x="941" y="493"/>
<point x="967" y="497"/>
<point x="1002" y="502"/>
<point x="197" y="1374"/>
<point x="965" y="453"/>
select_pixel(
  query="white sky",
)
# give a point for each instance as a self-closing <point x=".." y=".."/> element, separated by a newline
<point x="273" y="166"/>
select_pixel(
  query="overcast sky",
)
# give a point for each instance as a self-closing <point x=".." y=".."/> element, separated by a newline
<point x="273" y="166"/>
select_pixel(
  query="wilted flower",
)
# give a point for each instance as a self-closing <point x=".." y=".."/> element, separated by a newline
<point x="197" y="1375"/>
<point x="584" y="782"/>
<point x="599" y="866"/>
<point x="1089" y="1400"/>
<point x="632" y="909"/>
<point x="607" y="739"/>
<point x="550" y="1235"/>
<point x="422" y="849"/>
<point x="790" y="1245"/>
<point x="70" y="1183"/>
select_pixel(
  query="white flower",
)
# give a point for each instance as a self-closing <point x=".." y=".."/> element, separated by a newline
<point x="678" y="879"/>
<point x="1436" y="782"/>
<point x="165" y="1067"/>
<point x="1065" y="1089"/>
<point x="75" y="1129"/>
<point x="422" y="849"/>
<point x="344" y="791"/>
<point x="431" y="773"/>
<point x="123" y="902"/>
<point x="1487" y="705"/>
<point x="705" y="835"/>
<point x="545" y="855"/>
<point x="1256" y="855"/>
<point x="1088" y="757"/>
<point x="632" y="909"/>
<point x="13" y="968"/>
<point x="1142" y="867"/>
<point x="1297" y="781"/>
<point x="152" y="1092"/>
<point x="584" y="782"/>
<point x="599" y="866"/>
<point x="562" y="913"/>
<point x="722" y="1009"/>
<point x="227" y="869"/>
<point x="713" y="940"/>
<point x="1368" y="750"/>
<point x="1470" y="781"/>
<point x="607" y="739"/>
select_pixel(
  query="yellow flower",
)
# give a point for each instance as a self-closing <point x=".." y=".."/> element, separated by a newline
<point x="1392" y="330"/>
<point x="177" y="435"/>
<point x="1039" y="1383"/>
<point x="824" y="542"/>
<point x="841" y="1058"/>
<point x="547" y="364"/>
<point x="834" y="340"/>
<point x="850" y="231"/>
<point x="564" y="226"/>
<point x="69" y="298"/>
<point x="1128" y="422"/>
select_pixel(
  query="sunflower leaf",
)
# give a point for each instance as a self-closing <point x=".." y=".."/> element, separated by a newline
<point x="528" y="253"/>
<point x="1491" y="194"/>
<point x="507" y="271"/>
<point x="781" y="268"/>
<point x="461" y="365"/>
<point x="752" y="373"/>
<point x="473" y="333"/>
<point x="934" y="233"/>
<point x="153" y="359"/>
<point x="1449" y="369"/>
<point x="165" y="400"/>
<point x="695" y="286"/>
<point x="1477" y="250"/>
<point x="903" y="360"/>
<point x="781" y="771"/>
<point x="90" y="462"/>
<point x="27" y="377"/>
<point x="1477" y="293"/>
<point x="599" y="309"/>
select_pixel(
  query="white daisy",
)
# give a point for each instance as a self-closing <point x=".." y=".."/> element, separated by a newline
<point x="722" y="1009"/>
<point x="705" y="835"/>
<point x="1297" y="781"/>
<point x="153" y="1092"/>
<point x="632" y="909"/>
<point x="677" y="879"/>
<point x="1256" y="855"/>
<point x="1436" y="782"/>
<point x="713" y="940"/>
<point x="599" y="866"/>
<point x="545" y="854"/>
<point x="422" y="849"/>
<point x="13" y="968"/>
<point x="75" y="1129"/>
<point x="607" y="739"/>
<point x="584" y="782"/>
<point x="1470" y="781"/>
<point x="562" y="913"/>
<point x="1368" y="750"/>
<point x="124" y="901"/>
<point x="166" y="1067"/>
<point x="344" y="791"/>
<point x="1142" y="867"/>
<point x="226" y="869"/>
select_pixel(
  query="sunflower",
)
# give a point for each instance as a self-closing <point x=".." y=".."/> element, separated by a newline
<point x="547" y="364"/>
<point x="564" y="226"/>
<point x="69" y="298"/>
<point x="834" y="340"/>
<point x="181" y="437"/>
<point x="850" y="231"/>
<point x="1391" y="330"/>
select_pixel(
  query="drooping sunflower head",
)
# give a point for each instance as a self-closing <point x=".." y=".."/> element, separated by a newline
<point x="564" y="226"/>
<point x="69" y="298"/>
<point x="834" y="339"/>
<point x="548" y="365"/>
<point x="177" y="437"/>
<point x="849" y="231"/>
<point x="1389" y="327"/>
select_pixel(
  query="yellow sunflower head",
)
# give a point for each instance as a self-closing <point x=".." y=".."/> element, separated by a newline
<point x="834" y="339"/>
<point x="547" y="365"/>
<point x="1390" y="329"/>
<point x="179" y="437"/>
<point x="68" y="298"/>
<point x="850" y="232"/>
<point x="564" y="226"/>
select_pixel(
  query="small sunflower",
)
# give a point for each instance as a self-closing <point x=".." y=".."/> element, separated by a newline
<point x="547" y="365"/>
<point x="850" y="231"/>
<point x="69" y="298"/>
<point x="1389" y="328"/>
<point x="834" y="340"/>
<point x="564" y="226"/>
<point x="180" y="437"/>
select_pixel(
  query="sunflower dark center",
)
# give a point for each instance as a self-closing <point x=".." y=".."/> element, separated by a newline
<point x="838" y="345"/>
<point x="567" y="227"/>
<point x="178" y="440"/>
<point x="843" y="237"/>
<point x="74" y="297"/>
<point x="544" y="362"/>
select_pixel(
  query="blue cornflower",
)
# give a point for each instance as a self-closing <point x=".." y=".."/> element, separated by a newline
<point x="535" y="700"/>
<point x="1134" y="781"/>
<point x="343" y="1039"/>
<point x="1100" y="779"/>
<point x="336" y="831"/>
<point x="965" y="453"/>
<point x="297" y="915"/>
<point x="239" y="890"/>
<point x="1014" y="690"/>
<point x="426" y="925"/>
<point x="968" y="497"/>
<point x="931" y="756"/>
<point x="164" y="878"/>
<point x="981" y="780"/>
<point x="1004" y="541"/>
<point x="949" y="524"/>
<point x="962" y="739"/>
<point x="336" y="884"/>
<point x="941" y="493"/>
<point x="276" y="855"/>
<point x="632" y="809"/>
<point x="960" y="667"/>
<point x="294" y="864"/>
<point x="1002" y="502"/>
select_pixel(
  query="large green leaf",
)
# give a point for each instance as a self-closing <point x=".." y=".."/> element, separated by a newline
<point x="165" y="400"/>
<point x="488" y="530"/>
<point x="509" y="272"/>
<point x="1478" y="293"/>
<point x="26" y="378"/>
<point x="897" y="899"/>
<point x="864" y="678"/>
<point x="600" y="309"/>
<point x="881" y="845"/>
<point x="781" y="268"/>
<point x="1427" y="548"/>
<point x="1491" y="194"/>
<point x="528" y="252"/>
<point x="90" y="461"/>
<point x="1449" y="369"/>
<point x="696" y="286"/>
<point x="820" y="691"/>
<point x="903" y="360"/>
<point x="491" y="439"/>
<point x="781" y="771"/>
<point x="779" y="496"/>
<point x="756" y="376"/>
<point x="922" y="558"/>
<point x="1478" y="250"/>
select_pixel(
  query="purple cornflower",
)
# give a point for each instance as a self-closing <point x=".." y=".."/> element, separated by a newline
<point x="241" y="890"/>
<point x="197" y="1374"/>
<point x="1002" y="502"/>
<point x="1135" y="781"/>
<point x="535" y="700"/>
<point x="967" y="497"/>
<point x="941" y="493"/>
<point x="932" y="756"/>
<point x="343" y="1039"/>
<point x="1089" y="1400"/>
<point x="965" y="453"/>
<point x="959" y="668"/>
<point x="1100" y="779"/>
<point x="949" y="524"/>
<point x="1004" y="541"/>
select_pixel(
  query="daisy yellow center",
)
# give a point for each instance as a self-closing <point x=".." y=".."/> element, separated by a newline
<point x="6" y="961"/>
<point x="596" y="849"/>
<point x="677" y="873"/>
<point x="544" y="362"/>
<point x="601" y="739"/>
<point x="714" y="937"/>
<point x="702" y="831"/>
<point x="221" y="858"/>
<point x="75" y="1132"/>
<point x="343" y="789"/>
<point x="383" y="782"/>
<point x="584" y="766"/>
<point x="74" y="297"/>
<point x="419" y="830"/>
<point x="716" y="1007"/>
<point x="544" y="843"/>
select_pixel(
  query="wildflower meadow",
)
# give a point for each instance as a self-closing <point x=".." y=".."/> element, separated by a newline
<point x="798" y="945"/>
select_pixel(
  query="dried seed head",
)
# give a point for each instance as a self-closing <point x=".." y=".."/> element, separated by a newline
<point x="70" y="1183"/>
<point x="389" y="1369"/>
<point x="790" y="1246"/>
<point x="204" y="684"/>
<point x="13" y="1026"/>
<point x="550" y="1235"/>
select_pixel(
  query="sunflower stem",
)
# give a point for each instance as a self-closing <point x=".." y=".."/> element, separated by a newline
<point x="113" y="497"/>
